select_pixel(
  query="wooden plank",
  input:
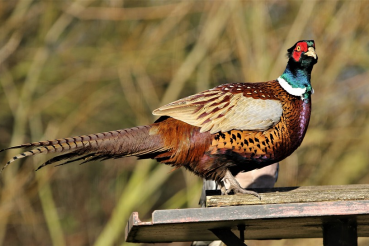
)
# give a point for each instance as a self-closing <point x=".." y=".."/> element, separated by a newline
<point x="294" y="195"/>
<point x="267" y="221"/>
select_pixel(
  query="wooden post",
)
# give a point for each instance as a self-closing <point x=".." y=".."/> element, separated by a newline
<point x="228" y="237"/>
<point x="340" y="232"/>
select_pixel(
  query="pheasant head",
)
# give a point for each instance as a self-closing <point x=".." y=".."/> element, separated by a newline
<point x="296" y="78"/>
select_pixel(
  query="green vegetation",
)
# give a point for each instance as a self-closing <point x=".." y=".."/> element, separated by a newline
<point x="76" y="67"/>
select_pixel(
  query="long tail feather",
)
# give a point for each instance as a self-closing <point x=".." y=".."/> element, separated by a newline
<point x="100" y="146"/>
<point x="57" y="158"/>
<point x="86" y="157"/>
<point x="94" y="158"/>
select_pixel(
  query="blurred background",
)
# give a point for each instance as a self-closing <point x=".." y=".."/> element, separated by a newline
<point x="85" y="66"/>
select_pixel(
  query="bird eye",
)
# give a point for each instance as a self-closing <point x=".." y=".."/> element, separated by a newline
<point x="298" y="48"/>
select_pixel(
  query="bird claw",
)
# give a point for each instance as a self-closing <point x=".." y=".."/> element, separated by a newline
<point x="230" y="185"/>
<point x="237" y="190"/>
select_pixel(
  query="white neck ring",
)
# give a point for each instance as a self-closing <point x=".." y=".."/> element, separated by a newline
<point x="293" y="91"/>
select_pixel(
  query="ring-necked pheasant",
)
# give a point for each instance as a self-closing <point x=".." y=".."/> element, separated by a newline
<point x="216" y="133"/>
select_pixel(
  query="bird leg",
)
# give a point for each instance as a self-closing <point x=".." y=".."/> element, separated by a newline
<point x="229" y="184"/>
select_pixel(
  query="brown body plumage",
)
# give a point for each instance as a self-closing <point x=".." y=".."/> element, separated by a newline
<point x="210" y="155"/>
<point x="215" y="134"/>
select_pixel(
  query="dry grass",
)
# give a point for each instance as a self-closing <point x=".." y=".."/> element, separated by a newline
<point x="70" y="68"/>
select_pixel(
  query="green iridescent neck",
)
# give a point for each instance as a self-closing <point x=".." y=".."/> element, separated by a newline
<point x="298" y="79"/>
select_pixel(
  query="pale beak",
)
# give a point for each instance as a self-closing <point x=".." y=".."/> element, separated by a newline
<point x="311" y="52"/>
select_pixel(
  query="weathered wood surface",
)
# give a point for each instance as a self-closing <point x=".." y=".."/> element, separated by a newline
<point x="294" y="195"/>
<point x="263" y="221"/>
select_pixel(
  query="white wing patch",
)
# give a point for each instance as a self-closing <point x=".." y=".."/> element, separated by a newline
<point x="216" y="111"/>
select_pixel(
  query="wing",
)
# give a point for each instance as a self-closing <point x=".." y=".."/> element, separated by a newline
<point x="222" y="109"/>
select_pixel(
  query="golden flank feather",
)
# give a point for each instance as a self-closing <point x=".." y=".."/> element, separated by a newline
<point x="220" y="111"/>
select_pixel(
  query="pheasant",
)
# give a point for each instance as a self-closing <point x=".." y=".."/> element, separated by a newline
<point x="216" y="133"/>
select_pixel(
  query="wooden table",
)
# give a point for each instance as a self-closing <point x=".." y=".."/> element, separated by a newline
<point x="338" y="214"/>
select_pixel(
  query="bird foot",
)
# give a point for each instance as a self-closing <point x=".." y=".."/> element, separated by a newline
<point x="230" y="185"/>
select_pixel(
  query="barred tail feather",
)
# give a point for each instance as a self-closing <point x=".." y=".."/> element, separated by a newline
<point x="39" y="150"/>
<point x="134" y="141"/>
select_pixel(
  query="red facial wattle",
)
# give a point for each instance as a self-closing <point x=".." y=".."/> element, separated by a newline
<point x="299" y="49"/>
